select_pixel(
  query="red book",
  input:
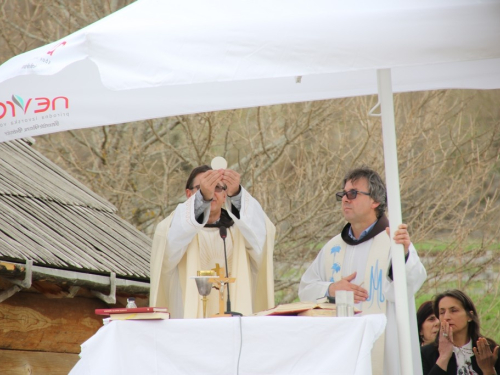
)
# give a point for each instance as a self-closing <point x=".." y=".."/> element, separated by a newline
<point x="125" y="310"/>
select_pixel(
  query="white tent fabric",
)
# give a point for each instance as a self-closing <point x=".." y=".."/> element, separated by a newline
<point x="158" y="58"/>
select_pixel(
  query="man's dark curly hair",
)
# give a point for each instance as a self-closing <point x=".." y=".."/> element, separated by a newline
<point x="376" y="186"/>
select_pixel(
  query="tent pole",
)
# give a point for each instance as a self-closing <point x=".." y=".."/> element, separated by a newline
<point x="395" y="218"/>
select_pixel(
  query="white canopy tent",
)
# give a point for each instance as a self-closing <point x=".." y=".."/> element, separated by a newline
<point x="158" y="58"/>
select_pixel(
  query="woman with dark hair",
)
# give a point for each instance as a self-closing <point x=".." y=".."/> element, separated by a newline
<point x="459" y="349"/>
<point x="427" y="323"/>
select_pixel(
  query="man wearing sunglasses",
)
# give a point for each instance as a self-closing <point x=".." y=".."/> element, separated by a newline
<point x="358" y="260"/>
<point x="189" y="241"/>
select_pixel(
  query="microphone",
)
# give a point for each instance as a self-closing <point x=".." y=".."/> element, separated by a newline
<point x="223" y="235"/>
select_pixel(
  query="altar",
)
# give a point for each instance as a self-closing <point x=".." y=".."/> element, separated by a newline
<point x="276" y="345"/>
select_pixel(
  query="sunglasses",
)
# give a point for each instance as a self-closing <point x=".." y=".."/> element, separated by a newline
<point x="218" y="189"/>
<point x="351" y="194"/>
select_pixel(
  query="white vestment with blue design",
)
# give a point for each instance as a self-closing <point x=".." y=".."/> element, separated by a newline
<point x="371" y="261"/>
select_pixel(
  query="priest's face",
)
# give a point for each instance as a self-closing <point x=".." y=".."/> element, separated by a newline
<point x="359" y="211"/>
<point x="219" y="196"/>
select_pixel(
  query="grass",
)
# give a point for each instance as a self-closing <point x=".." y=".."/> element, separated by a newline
<point x="437" y="246"/>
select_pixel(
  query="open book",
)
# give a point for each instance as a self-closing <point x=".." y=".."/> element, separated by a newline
<point x="298" y="308"/>
<point x="322" y="307"/>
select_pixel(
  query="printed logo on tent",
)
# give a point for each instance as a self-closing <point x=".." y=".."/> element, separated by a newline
<point x="43" y="59"/>
<point x="20" y="102"/>
<point x="32" y="105"/>
<point x="28" y="115"/>
<point x="51" y="52"/>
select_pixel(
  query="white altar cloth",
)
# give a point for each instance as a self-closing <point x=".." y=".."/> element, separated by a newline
<point x="244" y="346"/>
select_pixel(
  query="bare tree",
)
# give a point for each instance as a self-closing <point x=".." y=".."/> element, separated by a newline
<point x="292" y="159"/>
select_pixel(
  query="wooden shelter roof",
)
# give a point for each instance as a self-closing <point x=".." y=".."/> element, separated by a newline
<point x="48" y="216"/>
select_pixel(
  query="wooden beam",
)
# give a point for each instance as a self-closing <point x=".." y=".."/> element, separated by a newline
<point x="33" y="322"/>
<point x="16" y="362"/>
<point x="65" y="279"/>
<point x="12" y="270"/>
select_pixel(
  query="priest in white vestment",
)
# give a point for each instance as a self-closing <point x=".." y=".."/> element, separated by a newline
<point x="358" y="259"/>
<point x="188" y="241"/>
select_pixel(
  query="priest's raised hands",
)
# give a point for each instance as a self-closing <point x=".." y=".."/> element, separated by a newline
<point x="232" y="180"/>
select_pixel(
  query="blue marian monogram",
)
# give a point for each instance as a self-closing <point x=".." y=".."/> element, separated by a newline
<point x="375" y="290"/>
